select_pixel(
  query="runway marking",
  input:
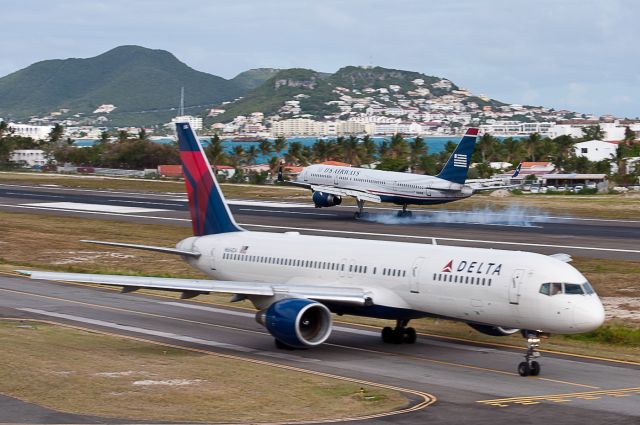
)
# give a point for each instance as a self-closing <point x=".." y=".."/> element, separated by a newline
<point x="104" y="208"/>
<point x="560" y="398"/>
<point x="269" y="204"/>
<point x="146" y="202"/>
<point x="427" y="399"/>
<point x="408" y="356"/>
<point x="172" y="336"/>
<point x="33" y="194"/>
<point x="289" y="212"/>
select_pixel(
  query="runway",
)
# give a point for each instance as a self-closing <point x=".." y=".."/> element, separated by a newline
<point x="472" y="382"/>
<point x="520" y="230"/>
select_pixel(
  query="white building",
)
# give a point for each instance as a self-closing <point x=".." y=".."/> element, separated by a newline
<point x="297" y="127"/>
<point x="596" y="150"/>
<point x="194" y="122"/>
<point x="29" y="157"/>
<point x="36" y="132"/>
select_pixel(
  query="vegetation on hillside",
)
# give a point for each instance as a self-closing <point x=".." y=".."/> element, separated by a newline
<point x="142" y="83"/>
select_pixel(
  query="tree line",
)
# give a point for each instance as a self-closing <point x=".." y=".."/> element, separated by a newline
<point x="395" y="154"/>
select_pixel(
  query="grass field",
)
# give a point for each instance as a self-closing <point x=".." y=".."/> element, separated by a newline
<point x="91" y="373"/>
<point x="51" y="243"/>
<point x="620" y="206"/>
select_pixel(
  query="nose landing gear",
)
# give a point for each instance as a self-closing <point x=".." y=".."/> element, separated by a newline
<point x="530" y="367"/>
<point x="400" y="334"/>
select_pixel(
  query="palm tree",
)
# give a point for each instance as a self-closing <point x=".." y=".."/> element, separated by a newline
<point x="104" y="137"/>
<point x="4" y="128"/>
<point x="237" y="156"/>
<point x="486" y="145"/>
<point x="350" y="150"/>
<point x="531" y="144"/>
<point x="265" y="147"/>
<point x="278" y="145"/>
<point x="56" y="134"/>
<point x="369" y="149"/>
<point x="417" y="148"/>
<point x="593" y="132"/>
<point x="294" y="153"/>
<point x="320" y="151"/>
<point x="123" y="136"/>
<point x="252" y="154"/>
<point x="398" y="147"/>
<point x="216" y="154"/>
<point x="142" y="134"/>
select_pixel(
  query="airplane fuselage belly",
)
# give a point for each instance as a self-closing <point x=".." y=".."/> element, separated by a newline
<point x="405" y="280"/>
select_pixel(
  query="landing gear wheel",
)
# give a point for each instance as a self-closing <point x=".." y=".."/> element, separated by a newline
<point x="530" y="367"/>
<point x="404" y="212"/>
<point x="410" y="336"/>
<point x="281" y="345"/>
<point x="534" y="368"/>
<point x="360" y="215"/>
<point x="387" y="335"/>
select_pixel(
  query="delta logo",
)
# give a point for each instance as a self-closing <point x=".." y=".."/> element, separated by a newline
<point x="465" y="266"/>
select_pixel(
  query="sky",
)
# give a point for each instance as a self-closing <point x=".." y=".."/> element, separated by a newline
<point x="581" y="55"/>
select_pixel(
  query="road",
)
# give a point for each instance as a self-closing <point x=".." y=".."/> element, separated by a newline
<point x="472" y="382"/>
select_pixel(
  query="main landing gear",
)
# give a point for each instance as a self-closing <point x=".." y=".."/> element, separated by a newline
<point x="404" y="212"/>
<point x="400" y="334"/>
<point x="360" y="213"/>
<point x="530" y="367"/>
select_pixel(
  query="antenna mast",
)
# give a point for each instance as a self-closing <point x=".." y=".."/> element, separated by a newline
<point x="181" y="110"/>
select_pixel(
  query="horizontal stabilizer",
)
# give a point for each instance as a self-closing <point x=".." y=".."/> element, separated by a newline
<point x="162" y="249"/>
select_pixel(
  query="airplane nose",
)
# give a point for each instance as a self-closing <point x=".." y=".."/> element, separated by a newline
<point x="589" y="315"/>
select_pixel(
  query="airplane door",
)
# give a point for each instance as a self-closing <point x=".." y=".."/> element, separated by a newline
<point x="343" y="267"/>
<point x="514" y="287"/>
<point x="212" y="259"/>
<point x="414" y="283"/>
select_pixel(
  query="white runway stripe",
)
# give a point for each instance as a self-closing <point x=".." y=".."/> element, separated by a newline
<point x="93" y="207"/>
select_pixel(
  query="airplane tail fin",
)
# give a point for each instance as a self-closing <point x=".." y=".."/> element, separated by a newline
<point x="209" y="211"/>
<point x="457" y="166"/>
<point x="517" y="171"/>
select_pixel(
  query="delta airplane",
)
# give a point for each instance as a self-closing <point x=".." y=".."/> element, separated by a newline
<point x="296" y="281"/>
<point x="329" y="184"/>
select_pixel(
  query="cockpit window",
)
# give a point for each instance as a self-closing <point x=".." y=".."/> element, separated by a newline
<point x="573" y="289"/>
<point x="588" y="289"/>
<point x="555" y="288"/>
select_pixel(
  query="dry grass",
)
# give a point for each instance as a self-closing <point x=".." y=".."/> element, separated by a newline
<point x="133" y="379"/>
<point x="51" y="243"/>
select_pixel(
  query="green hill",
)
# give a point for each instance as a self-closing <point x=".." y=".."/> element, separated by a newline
<point x="143" y="83"/>
<point x="253" y="78"/>
<point x="283" y="86"/>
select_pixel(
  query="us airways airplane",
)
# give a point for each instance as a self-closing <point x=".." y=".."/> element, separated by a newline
<point x="296" y="281"/>
<point x="329" y="184"/>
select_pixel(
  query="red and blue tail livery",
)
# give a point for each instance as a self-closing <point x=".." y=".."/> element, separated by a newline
<point x="209" y="211"/>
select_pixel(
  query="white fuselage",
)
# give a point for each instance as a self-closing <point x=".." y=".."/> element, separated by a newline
<point x="390" y="186"/>
<point x="485" y="286"/>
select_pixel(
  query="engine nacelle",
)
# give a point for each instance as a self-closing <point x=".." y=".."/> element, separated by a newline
<point x="322" y="199"/>
<point x="493" y="330"/>
<point x="298" y="323"/>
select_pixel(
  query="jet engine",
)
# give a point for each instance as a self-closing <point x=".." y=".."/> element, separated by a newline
<point x="322" y="199"/>
<point x="493" y="330"/>
<point x="297" y="323"/>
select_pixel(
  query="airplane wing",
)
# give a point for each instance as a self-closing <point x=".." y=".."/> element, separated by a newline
<point x="358" y="194"/>
<point x="193" y="287"/>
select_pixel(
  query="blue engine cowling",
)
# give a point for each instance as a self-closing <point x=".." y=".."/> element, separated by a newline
<point x="298" y="323"/>
<point x="322" y="199"/>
